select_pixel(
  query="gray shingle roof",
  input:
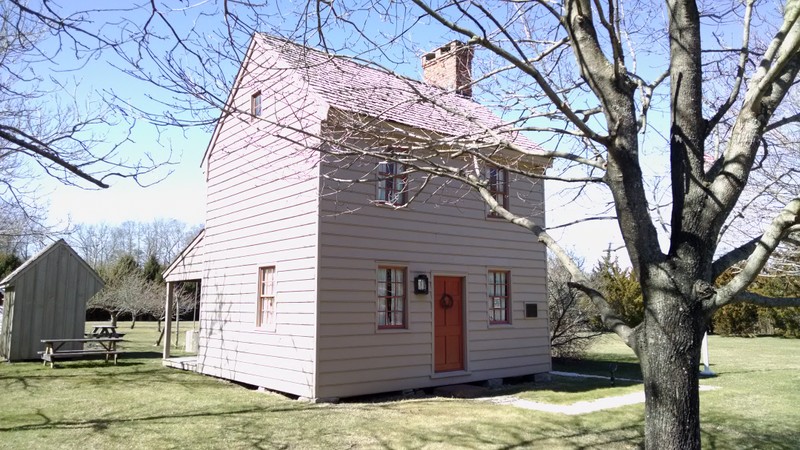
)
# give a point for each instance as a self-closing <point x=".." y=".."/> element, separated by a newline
<point x="351" y="86"/>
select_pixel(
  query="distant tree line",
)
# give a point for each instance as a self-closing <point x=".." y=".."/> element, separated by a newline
<point x="751" y="320"/>
<point x="131" y="258"/>
<point x="161" y="239"/>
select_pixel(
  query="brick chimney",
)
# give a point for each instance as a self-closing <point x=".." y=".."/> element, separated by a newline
<point x="449" y="67"/>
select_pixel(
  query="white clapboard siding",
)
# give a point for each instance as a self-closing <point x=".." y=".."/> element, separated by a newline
<point x="262" y="210"/>
<point x="445" y="234"/>
<point x="268" y="205"/>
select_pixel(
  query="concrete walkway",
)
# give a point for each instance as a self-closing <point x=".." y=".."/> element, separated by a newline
<point x="577" y="408"/>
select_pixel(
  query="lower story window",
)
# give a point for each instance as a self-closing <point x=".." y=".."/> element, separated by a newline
<point x="265" y="309"/>
<point x="499" y="297"/>
<point x="391" y="297"/>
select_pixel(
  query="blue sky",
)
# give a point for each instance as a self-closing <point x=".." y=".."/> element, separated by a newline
<point x="180" y="194"/>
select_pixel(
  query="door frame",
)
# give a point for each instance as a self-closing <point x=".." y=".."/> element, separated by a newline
<point x="464" y="327"/>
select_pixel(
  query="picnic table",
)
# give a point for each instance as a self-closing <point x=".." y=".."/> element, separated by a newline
<point x="96" y="345"/>
<point x="104" y="331"/>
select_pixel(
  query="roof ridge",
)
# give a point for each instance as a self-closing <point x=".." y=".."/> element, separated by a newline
<point x="359" y="86"/>
<point x="364" y="63"/>
<point x="40" y="254"/>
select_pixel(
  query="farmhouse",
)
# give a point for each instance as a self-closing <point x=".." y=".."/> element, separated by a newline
<point x="327" y="272"/>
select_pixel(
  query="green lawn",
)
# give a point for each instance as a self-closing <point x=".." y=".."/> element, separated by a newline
<point x="139" y="404"/>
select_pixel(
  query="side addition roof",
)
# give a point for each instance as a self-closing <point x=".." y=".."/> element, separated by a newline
<point x="188" y="264"/>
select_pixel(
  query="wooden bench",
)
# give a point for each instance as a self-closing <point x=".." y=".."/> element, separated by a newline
<point x="51" y="357"/>
<point x="105" y="346"/>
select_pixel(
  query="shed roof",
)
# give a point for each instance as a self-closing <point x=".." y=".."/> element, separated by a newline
<point x="16" y="274"/>
<point x="354" y="86"/>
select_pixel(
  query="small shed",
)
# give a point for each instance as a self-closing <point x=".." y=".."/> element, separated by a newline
<point x="45" y="298"/>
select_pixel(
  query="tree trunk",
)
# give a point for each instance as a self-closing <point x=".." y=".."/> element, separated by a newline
<point x="160" y="336"/>
<point x="133" y="320"/>
<point x="113" y="319"/>
<point x="669" y="352"/>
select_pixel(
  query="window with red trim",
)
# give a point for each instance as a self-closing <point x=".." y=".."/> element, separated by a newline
<point x="498" y="187"/>
<point x="499" y="297"/>
<point x="265" y="307"/>
<point x="391" y="297"/>
<point x="391" y="183"/>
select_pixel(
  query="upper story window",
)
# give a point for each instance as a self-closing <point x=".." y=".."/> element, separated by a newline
<point x="392" y="183"/>
<point x="265" y="307"/>
<point x="499" y="297"/>
<point x="255" y="104"/>
<point x="391" y="297"/>
<point x="498" y="186"/>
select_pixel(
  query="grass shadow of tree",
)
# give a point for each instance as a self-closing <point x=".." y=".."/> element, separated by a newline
<point x="600" y="366"/>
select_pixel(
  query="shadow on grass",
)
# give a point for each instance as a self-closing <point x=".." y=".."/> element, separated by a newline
<point x="599" y="366"/>
<point x="551" y="390"/>
<point x="130" y="374"/>
<point x="566" y="385"/>
<point x="80" y="372"/>
<point x="141" y="355"/>
<point x="100" y="424"/>
<point x="746" y="435"/>
<point x="583" y="435"/>
<point x="507" y="436"/>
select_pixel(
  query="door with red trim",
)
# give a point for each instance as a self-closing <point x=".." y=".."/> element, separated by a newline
<point x="448" y="318"/>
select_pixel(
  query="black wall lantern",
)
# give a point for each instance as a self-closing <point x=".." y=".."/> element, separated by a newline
<point x="421" y="284"/>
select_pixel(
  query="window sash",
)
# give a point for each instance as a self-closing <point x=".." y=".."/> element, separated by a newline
<point x="392" y="183"/>
<point x="499" y="297"/>
<point x="391" y="297"/>
<point x="498" y="186"/>
<point x="265" y="308"/>
<point x="255" y="104"/>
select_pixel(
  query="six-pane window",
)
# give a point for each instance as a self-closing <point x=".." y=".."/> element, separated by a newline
<point x="391" y="297"/>
<point x="391" y="183"/>
<point x="499" y="297"/>
<point x="498" y="186"/>
<point x="265" y="310"/>
<point x="255" y="104"/>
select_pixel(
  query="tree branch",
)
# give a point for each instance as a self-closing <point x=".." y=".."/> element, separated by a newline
<point x="610" y="318"/>
<point x="763" y="300"/>
<point x="35" y="146"/>
<point x="521" y="64"/>
<point x="762" y="250"/>
<point x="737" y="85"/>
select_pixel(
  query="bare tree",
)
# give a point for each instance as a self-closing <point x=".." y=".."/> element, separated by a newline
<point x="47" y="129"/>
<point x="609" y="90"/>
<point x="94" y="242"/>
<point x="132" y="294"/>
<point x="570" y="321"/>
<point x="102" y="243"/>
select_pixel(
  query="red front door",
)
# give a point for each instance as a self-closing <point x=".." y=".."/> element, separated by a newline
<point x="448" y="317"/>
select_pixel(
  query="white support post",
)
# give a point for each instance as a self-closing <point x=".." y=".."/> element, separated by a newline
<point x="168" y="318"/>
<point x="177" y="324"/>
<point x="704" y="355"/>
